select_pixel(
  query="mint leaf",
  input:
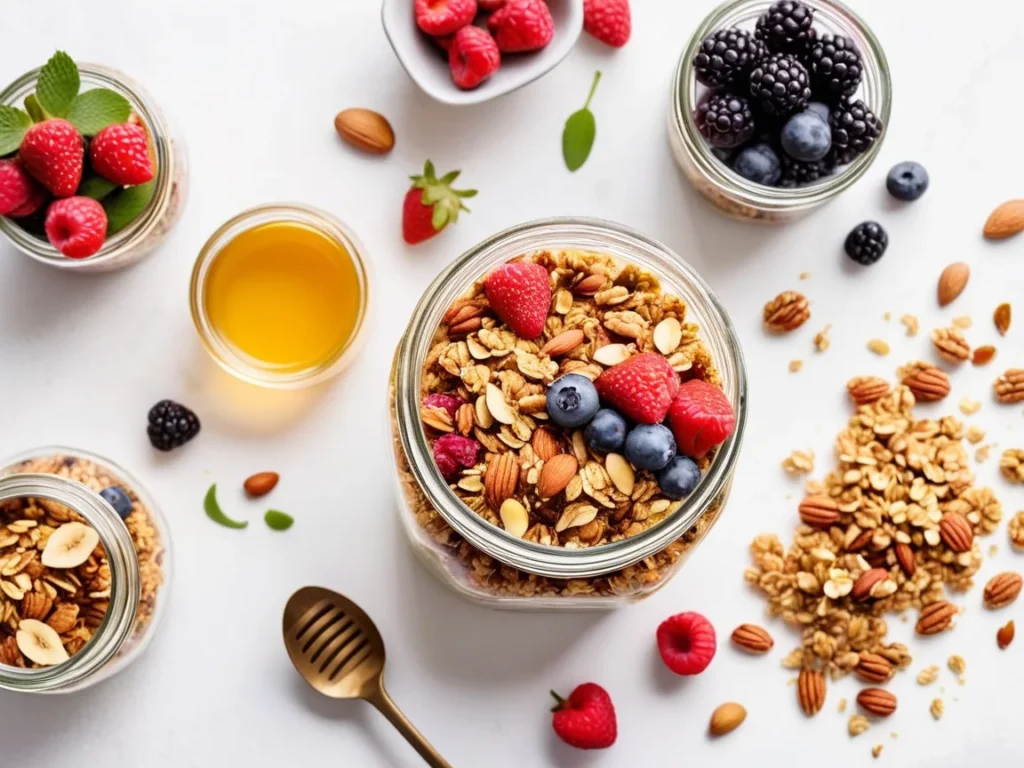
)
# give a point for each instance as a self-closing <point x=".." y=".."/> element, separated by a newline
<point x="58" y="84"/>
<point x="13" y="124"/>
<point x="580" y="130"/>
<point x="279" y="521"/>
<point x="34" y="109"/>
<point x="94" y="110"/>
<point x="96" y="187"/>
<point x="124" y="205"/>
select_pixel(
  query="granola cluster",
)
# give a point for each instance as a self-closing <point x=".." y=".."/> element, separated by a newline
<point x="70" y="601"/>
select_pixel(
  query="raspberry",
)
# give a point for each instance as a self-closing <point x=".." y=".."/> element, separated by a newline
<point x="120" y="153"/>
<point x="608" y="20"/>
<point x="53" y="152"/>
<point x="701" y="417"/>
<point x="686" y="643"/>
<point x="76" y="226"/>
<point x="16" y="187"/>
<point x="641" y="389"/>
<point x="450" y="403"/>
<point x="444" y="17"/>
<point x="473" y="57"/>
<point x="454" y="451"/>
<point x="522" y="25"/>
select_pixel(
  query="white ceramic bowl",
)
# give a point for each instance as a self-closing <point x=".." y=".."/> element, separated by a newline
<point x="427" y="65"/>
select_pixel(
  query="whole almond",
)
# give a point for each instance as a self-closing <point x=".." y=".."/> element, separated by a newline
<point x="873" y="668"/>
<point x="752" y="638"/>
<point x="261" y="483"/>
<point x="956" y="532"/>
<point x="810" y="691"/>
<point x="1005" y="634"/>
<point x="556" y="474"/>
<point x="952" y="282"/>
<point x="935" y="617"/>
<point x="1002" y="589"/>
<point x="863" y="585"/>
<point x="877" y="701"/>
<point x="983" y="355"/>
<point x="726" y="717"/>
<point x="928" y="383"/>
<point x="864" y="390"/>
<point x="366" y="130"/>
<point x="501" y="479"/>
<point x="1001" y="318"/>
<point x="590" y="285"/>
<point x="545" y="444"/>
<point x="905" y="557"/>
<point x="1005" y="221"/>
<point x="563" y="343"/>
<point x="819" y="511"/>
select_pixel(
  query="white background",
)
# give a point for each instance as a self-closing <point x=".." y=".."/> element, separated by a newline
<point x="253" y="87"/>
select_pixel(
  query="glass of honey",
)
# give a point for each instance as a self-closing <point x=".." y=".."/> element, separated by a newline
<point x="279" y="296"/>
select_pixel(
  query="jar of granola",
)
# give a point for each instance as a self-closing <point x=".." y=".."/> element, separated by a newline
<point x="170" y="185"/>
<point x="611" y="536"/>
<point x="712" y="177"/>
<point x="85" y="566"/>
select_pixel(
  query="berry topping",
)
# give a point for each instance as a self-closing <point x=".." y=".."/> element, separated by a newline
<point x="452" y="452"/>
<point x="806" y="137"/>
<point x="866" y="243"/>
<point x="786" y="27"/>
<point x="118" y="499"/>
<point x="76" y="226"/>
<point x="444" y="17"/>
<point x="650" y="446"/>
<point x="606" y="432"/>
<point x="17" y="188"/>
<point x="725" y="120"/>
<point x="686" y="643"/>
<point x="608" y="20"/>
<point x="835" y="67"/>
<point x="701" y="417"/>
<point x="854" y="130"/>
<point x="171" y="425"/>
<point x="431" y="205"/>
<point x="780" y="85"/>
<point x="519" y="293"/>
<point x="797" y="173"/>
<point x="120" y="153"/>
<point x="572" y="400"/>
<point x="726" y="57"/>
<point x="53" y="152"/>
<point x="679" y="477"/>
<point x="522" y="25"/>
<point x="641" y="388"/>
<point x="586" y="720"/>
<point x="907" y="181"/>
<point x="449" y="403"/>
<point x="473" y="57"/>
<point x="488" y="6"/>
<point x="759" y="164"/>
<point x="37" y="199"/>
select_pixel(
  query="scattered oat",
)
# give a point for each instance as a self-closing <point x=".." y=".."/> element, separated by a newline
<point x="936" y="708"/>
<point x="795" y="366"/>
<point x="842" y="705"/>
<point x="912" y="323"/>
<point x="956" y="664"/>
<point x="983" y="451"/>
<point x="857" y="725"/>
<point x="928" y="675"/>
<point x="805" y="275"/>
<point x="887" y="316"/>
<point x="993" y="550"/>
<point x="963" y="322"/>
<point x="821" y="340"/>
<point x="893" y="734"/>
<point x="975" y="434"/>
<point x="879" y="347"/>
<point x="969" y="407"/>
<point x="876" y="751"/>
<point x="799" y="462"/>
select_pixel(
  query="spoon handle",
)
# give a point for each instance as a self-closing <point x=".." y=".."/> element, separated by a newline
<point x="387" y="707"/>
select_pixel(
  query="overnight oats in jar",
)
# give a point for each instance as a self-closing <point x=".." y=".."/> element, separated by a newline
<point x="85" y="567"/>
<point x="777" y="108"/>
<point x="94" y="176"/>
<point x="567" y="406"/>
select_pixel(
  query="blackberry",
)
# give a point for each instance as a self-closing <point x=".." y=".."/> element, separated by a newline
<point x="866" y="242"/>
<point x="780" y="85"/>
<point x="726" y="57"/>
<point x="854" y="130"/>
<point x="786" y="27"/>
<point x="799" y="173"/>
<point x="725" y="120"/>
<point x="170" y="425"/>
<point x="835" y="67"/>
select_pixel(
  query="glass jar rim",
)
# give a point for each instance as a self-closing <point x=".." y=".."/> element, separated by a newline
<point x="269" y="213"/>
<point x="143" y="225"/>
<point x="548" y="561"/>
<point x="748" y="192"/>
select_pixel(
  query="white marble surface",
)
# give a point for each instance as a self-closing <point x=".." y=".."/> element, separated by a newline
<point x="254" y="86"/>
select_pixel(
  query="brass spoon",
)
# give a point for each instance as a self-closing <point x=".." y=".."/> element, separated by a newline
<point x="339" y="652"/>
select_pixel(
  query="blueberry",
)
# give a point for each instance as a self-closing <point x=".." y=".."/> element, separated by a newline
<point x="820" y="109"/>
<point x="678" y="479"/>
<point x="759" y="164"/>
<point x="907" y="181"/>
<point x="606" y="432"/>
<point x="806" y="137"/>
<point x="650" y="446"/>
<point x="572" y="400"/>
<point x="118" y="499"/>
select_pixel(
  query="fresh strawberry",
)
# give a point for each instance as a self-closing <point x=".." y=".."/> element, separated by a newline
<point x="489" y="6"/>
<point x="608" y="20"/>
<point x="520" y="294"/>
<point x="522" y="25"/>
<point x="701" y="417"/>
<point x="76" y="226"/>
<point x="586" y="720"/>
<point x="472" y="57"/>
<point x="17" y="188"/>
<point x="119" y="154"/>
<point x="431" y="205"/>
<point x="52" y="151"/>
<point x="444" y="17"/>
<point x="686" y="643"/>
<point x="641" y="388"/>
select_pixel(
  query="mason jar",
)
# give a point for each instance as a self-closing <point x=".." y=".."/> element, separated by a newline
<point x="480" y="560"/>
<point x="149" y="229"/>
<point x="53" y="486"/>
<point x="730" y="192"/>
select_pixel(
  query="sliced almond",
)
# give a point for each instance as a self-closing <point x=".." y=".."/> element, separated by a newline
<point x="620" y="472"/>
<point x="576" y="515"/>
<point x="514" y="517"/>
<point x="611" y="354"/>
<point x="497" y="406"/>
<point x="70" y="546"/>
<point x="563" y="302"/>
<point x="40" y="643"/>
<point x="667" y="335"/>
<point x="483" y="415"/>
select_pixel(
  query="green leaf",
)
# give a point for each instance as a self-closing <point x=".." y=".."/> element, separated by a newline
<point x="13" y="124"/>
<point x="580" y="130"/>
<point x="124" y="205"/>
<point x="35" y="109"/>
<point x="94" y="110"/>
<point x="215" y="513"/>
<point x="96" y="187"/>
<point x="278" y="520"/>
<point x="58" y="84"/>
<point x="439" y="217"/>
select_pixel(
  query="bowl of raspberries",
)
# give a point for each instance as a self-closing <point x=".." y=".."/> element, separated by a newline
<point x="471" y="51"/>
<point x="779" y="107"/>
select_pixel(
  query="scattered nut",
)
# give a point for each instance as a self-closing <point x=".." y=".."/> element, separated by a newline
<point x="261" y="483"/>
<point x="1005" y="221"/>
<point x="952" y="282"/>
<point x="879" y="347"/>
<point x="727" y="717"/>
<point x="983" y="355"/>
<point x="786" y="312"/>
<point x="1001" y="318"/>
<point x="936" y="708"/>
<point x="857" y="725"/>
<point x="951" y="345"/>
<point x="1005" y="634"/>
<point x="366" y="130"/>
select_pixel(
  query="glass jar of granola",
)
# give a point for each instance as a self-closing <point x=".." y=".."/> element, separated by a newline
<point x="85" y="565"/>
<point x="712" y="177"/>
<point x="610" y="535"/>
<point x="170" y="185"/>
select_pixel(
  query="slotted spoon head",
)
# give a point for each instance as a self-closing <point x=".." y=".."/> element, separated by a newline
<point x="333" y="644"/>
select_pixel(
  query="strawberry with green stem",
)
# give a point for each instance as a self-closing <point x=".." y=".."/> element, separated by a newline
<point x="431" y="204"/>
